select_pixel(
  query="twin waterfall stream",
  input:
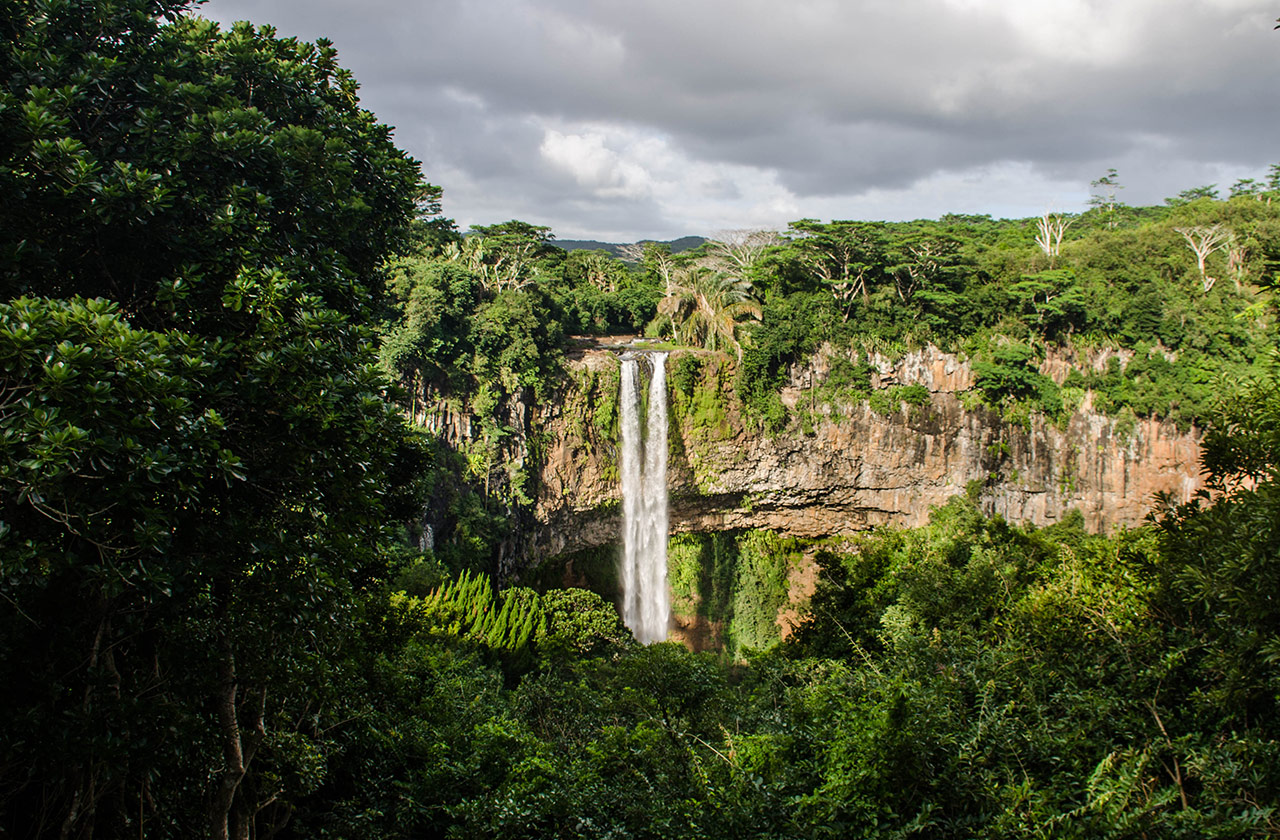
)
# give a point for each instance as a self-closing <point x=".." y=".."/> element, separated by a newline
<point x="646" y="606"/>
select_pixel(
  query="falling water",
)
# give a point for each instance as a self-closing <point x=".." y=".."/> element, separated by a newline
<point x="646" y="607"/>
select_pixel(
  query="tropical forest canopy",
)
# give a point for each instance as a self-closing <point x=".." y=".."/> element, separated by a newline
<point x="226" y="289"/>
<point x="1186" y="286"/>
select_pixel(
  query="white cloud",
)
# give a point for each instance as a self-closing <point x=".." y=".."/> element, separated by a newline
<point x="620" y="162"/>
<point x="600" y="169"/>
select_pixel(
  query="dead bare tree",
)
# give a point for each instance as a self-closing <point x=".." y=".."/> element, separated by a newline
<point x="1052" y="227"/>
<point x="1203" y="240"/>
<point x="736" y="251"/>
<point x="652" y="255"/>
<point x="632" y="252"/>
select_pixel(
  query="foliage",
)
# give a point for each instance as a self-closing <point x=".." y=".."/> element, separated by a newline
<point x="981" y="642"/>
<point x="685" y="374"/>
<point x="1123" y="277"/>
<point x="198" y="471"/>
<point x="737" y="582"/>
<point x="890" y="400"/>
<point x="759" y="589"/>
<point x="970" y="677"/>
<point x="1222" y="560"/>
<point x="1054" y="298"/>
<point x="1151" y="385"/>
<point x="1243" y="444"/>
<point x="601" y="296"/>
<point x="706" y="305"/>
<point x="1010" y="374"/>
<point x="790" y="327"/>
<point x="429" y="345"/>
<point x="202" y="484"/>
<point x="580" y="624"/>
<point x="702" y="575"/>
<point x="698" y="397"/>
<point x="453" y="341"/>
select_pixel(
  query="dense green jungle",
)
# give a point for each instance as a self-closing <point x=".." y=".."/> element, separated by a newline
<point x="247" y="592"/>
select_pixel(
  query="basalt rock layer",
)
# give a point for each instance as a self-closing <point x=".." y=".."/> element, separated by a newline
<point x="841" y="468"/>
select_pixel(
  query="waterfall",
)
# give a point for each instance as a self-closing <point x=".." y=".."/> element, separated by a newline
<point x="646" y="607"/>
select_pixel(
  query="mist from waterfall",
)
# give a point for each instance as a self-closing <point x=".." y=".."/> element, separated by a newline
<point x="646" y="606"/>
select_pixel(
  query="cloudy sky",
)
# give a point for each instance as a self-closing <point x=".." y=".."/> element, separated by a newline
<point x="659" y="118"/>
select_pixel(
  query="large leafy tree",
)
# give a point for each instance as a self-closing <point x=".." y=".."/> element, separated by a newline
<point x="195" y="472"/>
<point x="1224" y="559"/>
<point x="844" y="255"/>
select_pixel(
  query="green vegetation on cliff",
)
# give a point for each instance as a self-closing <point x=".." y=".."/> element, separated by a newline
<point x="733" y="583"/>
<point x="1145" y="326"/>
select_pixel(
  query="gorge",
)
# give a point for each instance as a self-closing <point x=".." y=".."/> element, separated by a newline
<point x="891" y="466"/>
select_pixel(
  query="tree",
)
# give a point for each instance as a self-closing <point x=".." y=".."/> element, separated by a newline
<point x="107" y="436"/>
<point x="736" y="252"/>
<point x="705" y="307"/>
<point x="580" y="624"/>
<point x="844" y="255"/>
<point x="597" y="268"/>
<point x="1242" y="445"/>
<point x="1246" y="187"/>
<point x="919" y="257"/>
<point x="1209" y="191"/>
<point x="1011" y="374"/>
<point x="505" y="256"/>
<point x="1050" y="230"/>
<point x="1104" y="198"/>
<point x="1273" y="181"/>
<point x="202" y="466"/>
<point x="500" y="266"/>
<point x="428" y="347"/>
<point x="653" y="257"/>
<point x="1054" y="297"/>
<point x="1221" y="560"/>
<point x="1203" y="240"/>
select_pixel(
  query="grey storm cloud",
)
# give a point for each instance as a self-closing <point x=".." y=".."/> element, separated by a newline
<point x="587" y="113"/>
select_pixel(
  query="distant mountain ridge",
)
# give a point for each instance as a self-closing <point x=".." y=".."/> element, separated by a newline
<point x="684" y="243"/>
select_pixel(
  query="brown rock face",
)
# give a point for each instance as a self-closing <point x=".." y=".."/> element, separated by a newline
<point x="850" y="469"/>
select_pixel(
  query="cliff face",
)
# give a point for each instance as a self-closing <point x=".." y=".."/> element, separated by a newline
<point x="845" y="468"/>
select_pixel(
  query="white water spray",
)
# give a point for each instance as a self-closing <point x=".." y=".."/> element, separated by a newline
<point x="646" y="607"/>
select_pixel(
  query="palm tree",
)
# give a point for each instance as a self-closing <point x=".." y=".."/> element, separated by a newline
<point x="705" y="307"/>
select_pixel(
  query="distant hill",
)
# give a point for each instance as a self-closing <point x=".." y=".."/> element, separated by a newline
<point x="684" y="243"/>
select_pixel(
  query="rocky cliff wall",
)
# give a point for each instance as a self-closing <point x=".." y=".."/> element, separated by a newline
<point x="841" y="468"/>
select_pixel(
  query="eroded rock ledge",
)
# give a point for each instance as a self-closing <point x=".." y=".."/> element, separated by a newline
<point x="850" y="468"/>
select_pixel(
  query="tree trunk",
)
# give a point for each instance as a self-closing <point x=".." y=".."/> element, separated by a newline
<point x="232" y="750"/>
